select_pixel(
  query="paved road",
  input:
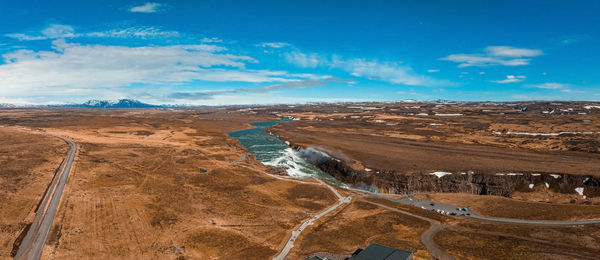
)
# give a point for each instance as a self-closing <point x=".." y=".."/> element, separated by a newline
<point x="449" y="209"/>
<point x="426" y="237"/>
<point x="290" y="243"/>
<point x="32" y="245"/>
<point x="296" y="233"/>
<point x="537" y="222"/>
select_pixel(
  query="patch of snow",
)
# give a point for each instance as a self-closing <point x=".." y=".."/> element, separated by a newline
<point x="500" y="174"/>
<point x="531" y="186"/>
<point x="463" y="173"/>
<point x="586" y="179"/>
<point x="379" y="121"/>
<point x="514" y="173"/>
<point x="536" y="174"/>
<point x="579" y="191"/>
<point x="547" y="185"/>
<point x="434" y="124"/>
<point x="287" y="142"/>
<point x="367" y="169"/>
<point x="440" y="174"/>
<point x="543" y="134"/>
<point x="422" y="114"/>
<point x="448" y="114"/>
<point x="591" y="107"/>
<point x="555" y="176"/>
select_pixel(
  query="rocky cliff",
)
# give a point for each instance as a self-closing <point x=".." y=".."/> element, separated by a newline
<point x="503" y="184"/>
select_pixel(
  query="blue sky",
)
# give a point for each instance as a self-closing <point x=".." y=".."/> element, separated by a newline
<point x="261" y="52"/>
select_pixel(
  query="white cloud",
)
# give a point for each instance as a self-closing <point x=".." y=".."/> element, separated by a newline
<point x="387" y="71"/>
<point x="25" y="37"/>
<point x="210" y="94"/>
<point x="310" y="60"/>
<point x="551" y="85"/>
<point x="393" y="72"/>
<point x="510" y="79"/>
<point x="53" y="31"/>
<point x="276" y="45"/>
<point x="211" y="40"/>
<point x="432" y="70"/>
<point x="73" y="68"/>
<point x="149" y="7"/>
<point x="495" y="55"/>
<point x="132" y="32"/>
<point x="60" y="31"/>
<point x="507" y="51"/>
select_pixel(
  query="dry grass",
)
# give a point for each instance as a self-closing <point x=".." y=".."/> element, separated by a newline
<point x="356" y="226"/>
<point x="473" y="239"/>
<point x="497" y="206"/>
<point x="137" y="190"/>
<point x="28" y="162"/>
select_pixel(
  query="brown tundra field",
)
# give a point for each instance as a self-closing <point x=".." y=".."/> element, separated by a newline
<point x="172" y="184"/>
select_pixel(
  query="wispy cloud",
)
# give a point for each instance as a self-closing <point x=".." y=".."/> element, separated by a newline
<point x="507" y="51"/>
<point x="61" y="31"/>
<point x="276" y="45"/>
<point x="211" y="40"/>
<point x="73" y="66"/>
<point x="289" y="85"/>
<point x="392" y="72"/>
<point x="53" y="31"/>
<point x="510" y="79"/>
<point x="149" y="7"/>
<point x="574" y="39"/>
<point x="133" y="32"/>
<point x="495" y="55"/>
<point x="433" y="70"/>
<point x="550" y="85"/>
<point x="305" y="60"/>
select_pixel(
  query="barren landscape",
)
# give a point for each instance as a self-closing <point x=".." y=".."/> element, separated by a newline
<point x="172" y="183"/>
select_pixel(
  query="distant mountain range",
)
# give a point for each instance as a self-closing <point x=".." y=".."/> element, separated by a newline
<point x="94" y="103"/>
<point x="132" y="103"/>
<point x="121" y="103"/>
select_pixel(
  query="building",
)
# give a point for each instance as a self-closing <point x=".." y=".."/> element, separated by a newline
<point x="380" y="252"/>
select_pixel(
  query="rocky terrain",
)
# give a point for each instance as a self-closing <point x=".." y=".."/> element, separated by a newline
<point x="473" y="148"/>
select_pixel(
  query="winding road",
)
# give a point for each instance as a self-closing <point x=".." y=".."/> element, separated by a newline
<point x="33" y="243"/>
<point x="290" y="243"/>
<point x="426" y="236"/>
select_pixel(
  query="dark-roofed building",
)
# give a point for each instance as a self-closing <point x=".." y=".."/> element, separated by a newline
<point x="380" y="252"/>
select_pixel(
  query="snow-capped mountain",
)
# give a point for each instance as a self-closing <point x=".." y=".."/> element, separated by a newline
<point x="3" y="105"/>
<point x="121" y="103"/>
